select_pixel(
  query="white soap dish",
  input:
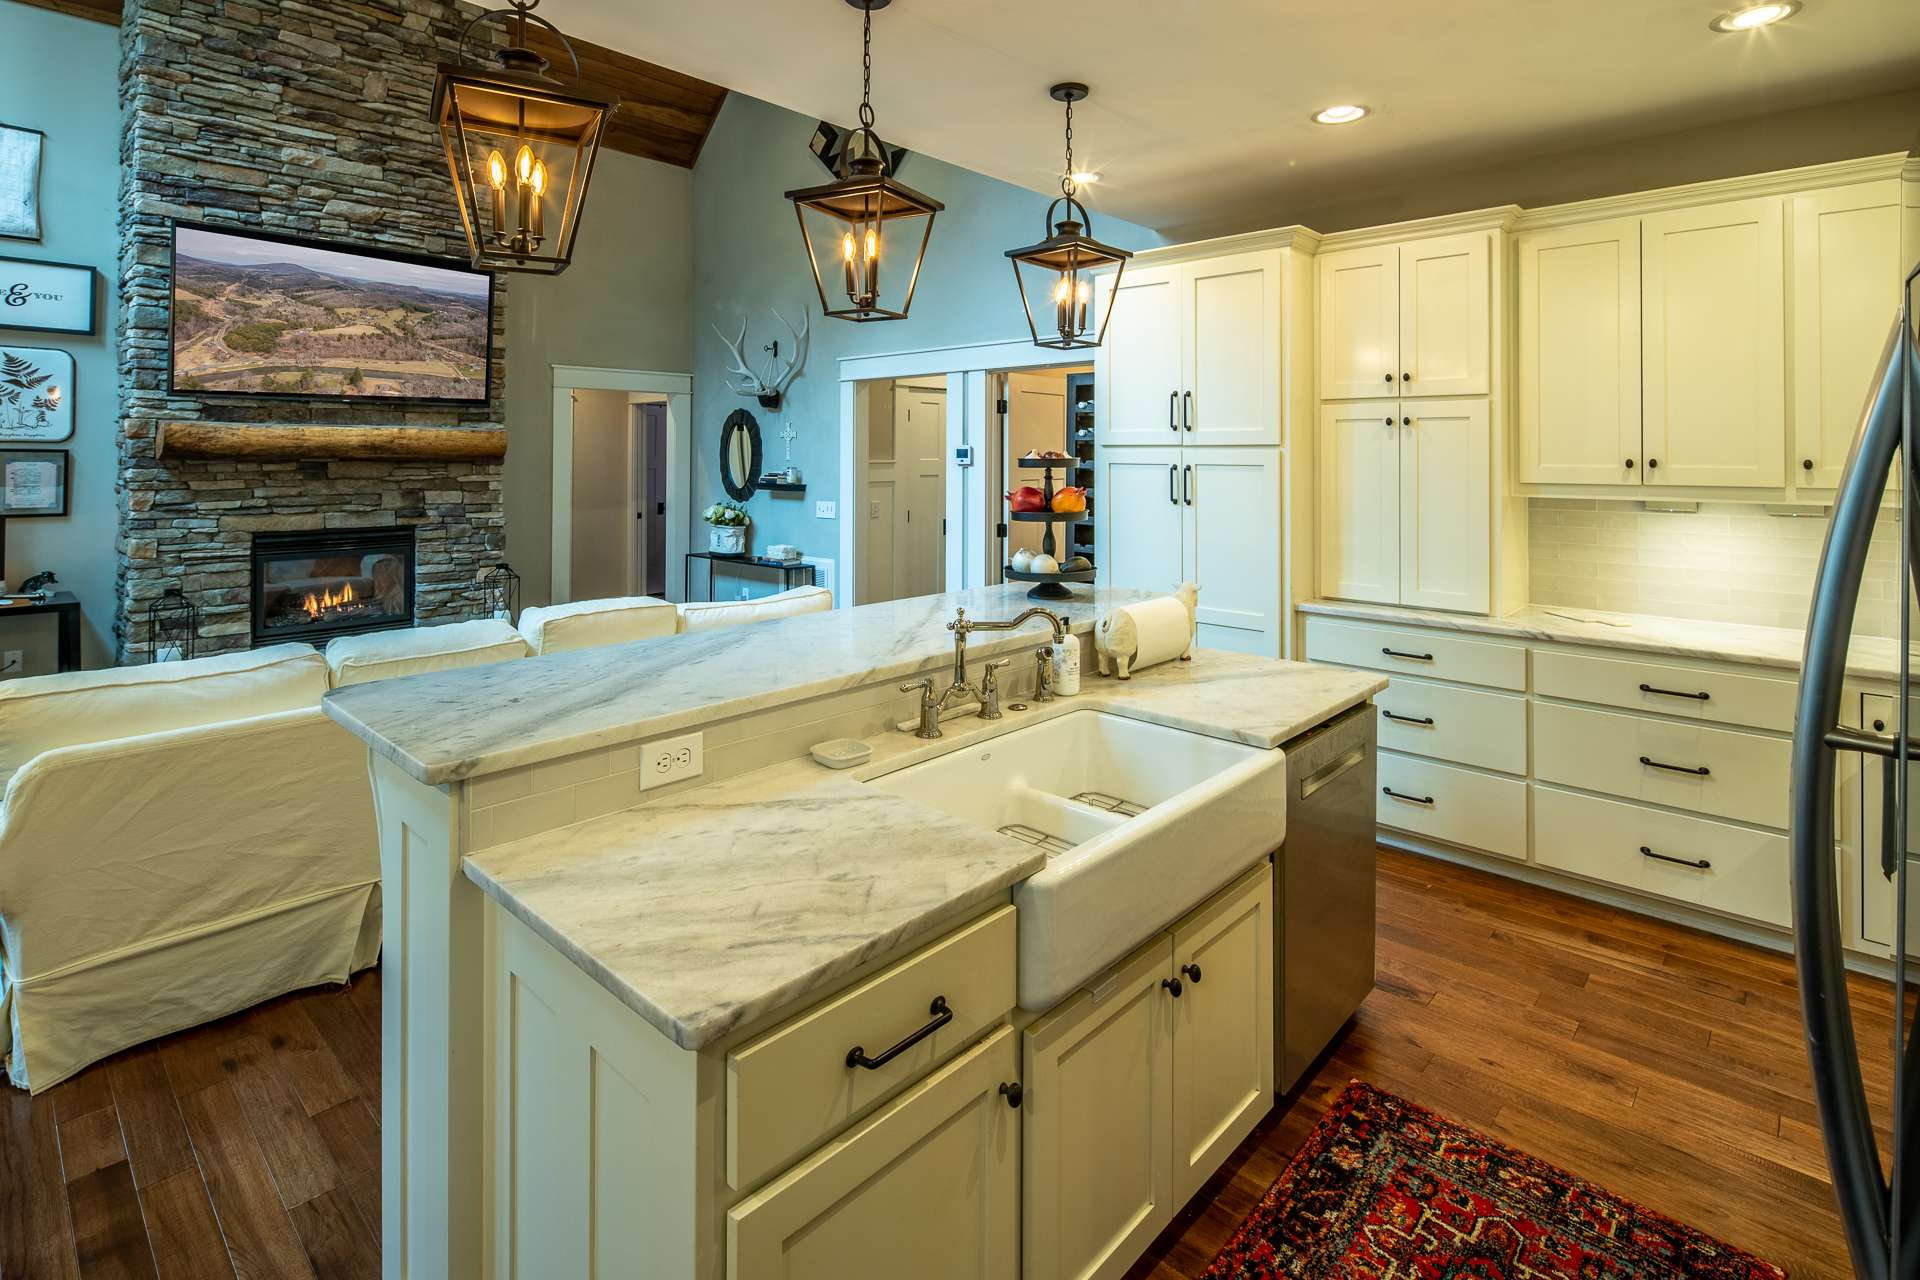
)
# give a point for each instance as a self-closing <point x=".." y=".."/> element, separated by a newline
<point x="842" y="753"/>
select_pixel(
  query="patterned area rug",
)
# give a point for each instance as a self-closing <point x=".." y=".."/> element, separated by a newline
<point x="1384" y="1188"/>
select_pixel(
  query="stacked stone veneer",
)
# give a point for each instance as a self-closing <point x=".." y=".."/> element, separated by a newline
<point x="309" y="119"/>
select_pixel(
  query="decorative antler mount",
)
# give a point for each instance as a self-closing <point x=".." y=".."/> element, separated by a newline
<point x="767" y="387"/>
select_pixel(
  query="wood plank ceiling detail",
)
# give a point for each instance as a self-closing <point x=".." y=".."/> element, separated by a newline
<point x="663" y="115"/>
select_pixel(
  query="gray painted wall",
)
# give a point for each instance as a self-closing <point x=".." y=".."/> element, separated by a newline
<point x="623" y="304"/>
<point x="748" y="257"/>
<point x="61" y="74"/>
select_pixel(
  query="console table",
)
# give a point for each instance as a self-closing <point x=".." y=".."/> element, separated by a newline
<point x="65" y="606"/>
<point x="790" y="570"/>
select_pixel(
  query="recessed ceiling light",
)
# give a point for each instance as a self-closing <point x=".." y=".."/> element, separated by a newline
<point x="1084" y="177"/>
<point x="1755" y="16"/>
<point x="1345" y="113"/>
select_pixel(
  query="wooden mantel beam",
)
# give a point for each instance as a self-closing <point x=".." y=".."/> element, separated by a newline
<point x="294" y="443"/>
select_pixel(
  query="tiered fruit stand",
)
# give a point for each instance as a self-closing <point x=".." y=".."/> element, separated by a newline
<point x="1049" y="586"/>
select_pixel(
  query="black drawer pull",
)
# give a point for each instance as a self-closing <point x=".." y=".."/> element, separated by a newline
<point x="1413" y="799"/>
<point x="1426" y="720"/>
<point x="1397" y="653"/>
<point x="1699" y="863"/>
<point x="1173" y="404"/>
<point x="1700" y="771"/>
<point x="1191" y="972"/>
<point x="942" y="1015"/>
<point x="1675" y="693"/>
<point x="1014" y="1093"/>
<point x="1172" y="985"/>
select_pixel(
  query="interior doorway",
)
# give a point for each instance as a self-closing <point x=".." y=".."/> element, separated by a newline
<point x="620" y="482"/>
<point x="1042" y="413"/>
<point x="901" y="549"/>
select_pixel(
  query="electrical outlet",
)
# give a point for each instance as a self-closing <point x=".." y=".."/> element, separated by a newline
<point x="825" y="511"/>
<point x="12" y="661"/>
<point x="670" y="760"/>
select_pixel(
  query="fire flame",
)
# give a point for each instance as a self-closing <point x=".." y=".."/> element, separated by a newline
<point x="326" y="601"/>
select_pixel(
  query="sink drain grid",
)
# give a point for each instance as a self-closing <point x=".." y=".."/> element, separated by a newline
<point x="1112" y="804"/>
<point x="1035" y="836"/>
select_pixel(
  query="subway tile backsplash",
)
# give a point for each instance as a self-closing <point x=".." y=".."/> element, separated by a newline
<point x="1724" y="563"/>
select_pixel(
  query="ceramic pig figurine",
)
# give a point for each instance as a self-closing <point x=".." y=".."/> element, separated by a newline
<point x="1142" y="634"/>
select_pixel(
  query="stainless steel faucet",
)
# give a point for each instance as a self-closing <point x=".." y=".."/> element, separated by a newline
<point x="987" y="693"/>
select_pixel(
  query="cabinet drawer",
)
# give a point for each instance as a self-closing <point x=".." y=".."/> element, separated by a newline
<point x="1420" y="653"/>
<point x="1466" y="726"/>
<point x="1746" y="872"/>
<point x="1722" y="772"/>
<point x="792" y="1087"/>
<point x="1693" y="692"/>
<point x="1460" y="806"/>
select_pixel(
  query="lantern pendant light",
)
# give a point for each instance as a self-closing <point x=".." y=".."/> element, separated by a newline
<point x="864" y="215"/>
<point x="520" y="145"/>
<point x="1060" y="265"/>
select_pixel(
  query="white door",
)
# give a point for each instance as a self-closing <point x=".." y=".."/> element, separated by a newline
<point x="1359" y="329"/>
<point x="1846" y="291"/>
<point x="1139" y="518"/>
<point x="1222" y="1028"/>
<point x="920" y="434"/>
<point x="1230" y="394"/>
<point x="1446" y="505"/>
<point x="1232" y="537"/>
<point x="1137" y="372"/>
<point x="1099" y="1124"/>
<point x="1714" y="336"/>
<point x="602" y="540"/>
<point x="933" y="1177"/>
<point x="1036" y="420"/>
<point x="1577" y="354"/>
<point x="1445" y="316"/>
<point x="1359" y="500"/>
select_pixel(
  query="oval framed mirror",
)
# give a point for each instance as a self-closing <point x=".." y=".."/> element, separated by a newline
<point x="740" y="457"/>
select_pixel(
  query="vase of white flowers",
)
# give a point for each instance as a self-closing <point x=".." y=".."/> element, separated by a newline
<point x="727" y="527"/>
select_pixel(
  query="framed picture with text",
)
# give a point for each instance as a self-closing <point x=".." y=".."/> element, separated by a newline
<point x="33" y="482"/>
<point x="36" y="395"/>
<point x="20" y="182"/>
<point x="53" y="297"/>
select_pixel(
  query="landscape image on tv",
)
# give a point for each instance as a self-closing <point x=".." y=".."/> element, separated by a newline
<point x="261" y="316"/>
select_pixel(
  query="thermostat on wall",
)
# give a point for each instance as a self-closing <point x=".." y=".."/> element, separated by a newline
<point x="963" y="456"/>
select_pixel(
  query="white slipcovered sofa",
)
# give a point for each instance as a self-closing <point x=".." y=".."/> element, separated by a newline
<point x="585" y="624"/>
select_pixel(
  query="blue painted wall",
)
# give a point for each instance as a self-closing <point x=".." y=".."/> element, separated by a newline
<point x="748" y="257"/>
<point x="61" y="75"/>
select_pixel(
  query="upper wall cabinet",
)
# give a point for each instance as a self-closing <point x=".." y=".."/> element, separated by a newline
<point x="1192" y="355"/>
<point x="1410" y="319"/>
<point x="1577" y="354"/>
<point x="1846" y="290"/>
<point x="1713" y="322"/>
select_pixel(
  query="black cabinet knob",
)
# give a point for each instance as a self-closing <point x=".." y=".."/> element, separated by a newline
<point x="1389" y="377"/>
<point x="1629" y="464"/>
<point x="1192" y="971"/>
<point x="1406" y="422"/>
<point x="1389" y="421"/>
<point x="1806" y="464"/>
<point x="1653" y="464"/>
<point x="1013" y="1093"/>
<point x="1172" y="985"/>
<point x="1406" y="377"/>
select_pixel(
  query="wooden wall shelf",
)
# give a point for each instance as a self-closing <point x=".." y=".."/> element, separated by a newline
<point x="294" y="442"/>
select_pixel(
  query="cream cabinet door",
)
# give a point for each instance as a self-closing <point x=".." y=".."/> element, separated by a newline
<point x="1445" y="316"/>
<point x="1099" y="1124"/>
<point x="1359" y="500"/>
<point x="1446" y="505"/>
<point x="1222" y="1027"/>
<point x="1231" y="501"/>
<point x="933" y="1177"/>
<point x="1359" y="322"/>
<point x="1137" y="371"/>
<point x="1577" y="354"/>
<point x="1231" y="352"/>
<point x="1140" y="518"/>
<point x="1713" y="335"/>
<point x="1846" y="291"/>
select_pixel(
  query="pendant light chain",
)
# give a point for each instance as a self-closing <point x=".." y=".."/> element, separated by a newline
<point x="866" y="68"/>
<point x="1066" y="179"/>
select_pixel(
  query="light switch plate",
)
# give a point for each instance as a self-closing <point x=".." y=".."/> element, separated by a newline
<point x="825" y="511"/>
<point x="670" y="760"/>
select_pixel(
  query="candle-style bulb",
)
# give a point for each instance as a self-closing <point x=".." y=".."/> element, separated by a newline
<point x="523" y="163"/>
<point x="496" y="171"/>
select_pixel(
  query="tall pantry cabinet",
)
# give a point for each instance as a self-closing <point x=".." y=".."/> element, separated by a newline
<point x="1205" y="366"/>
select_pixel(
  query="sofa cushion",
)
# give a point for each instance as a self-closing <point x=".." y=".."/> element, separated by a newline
<point x="711" y="615"/>
<point x="411" y="651"/>
<point x="587" y="624"/>
<point x="39" y="713"/>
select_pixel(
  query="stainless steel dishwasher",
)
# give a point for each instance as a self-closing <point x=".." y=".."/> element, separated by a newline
<point x="1323" y="890"/>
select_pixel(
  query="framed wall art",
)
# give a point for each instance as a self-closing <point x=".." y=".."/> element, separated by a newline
<point x="36" y="395"/>
<point x="55" y="297"/>
<point x="20" y="182"/>
<point x="33" y="482"/>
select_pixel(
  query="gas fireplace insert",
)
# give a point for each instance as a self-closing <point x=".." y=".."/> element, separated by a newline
<point x="314" y="586"/>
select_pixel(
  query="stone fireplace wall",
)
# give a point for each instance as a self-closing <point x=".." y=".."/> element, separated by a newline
<point x="307" y="117"/>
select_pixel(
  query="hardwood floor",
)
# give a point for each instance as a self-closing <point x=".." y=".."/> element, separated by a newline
<point x="1662" y="1063"/>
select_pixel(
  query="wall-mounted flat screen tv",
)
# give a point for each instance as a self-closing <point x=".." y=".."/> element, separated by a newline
<point x="261" y="315"/>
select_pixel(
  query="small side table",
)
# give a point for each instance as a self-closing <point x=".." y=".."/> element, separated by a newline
<point x="790" y="571"/>
<point x="65" y="606"/>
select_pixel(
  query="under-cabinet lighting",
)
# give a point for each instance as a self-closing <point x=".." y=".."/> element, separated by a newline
<point x="1754" y="16"/>
<point x="1343" y="113"/>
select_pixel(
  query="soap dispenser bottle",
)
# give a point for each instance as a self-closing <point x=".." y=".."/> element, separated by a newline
<point x="1066" y="667"/>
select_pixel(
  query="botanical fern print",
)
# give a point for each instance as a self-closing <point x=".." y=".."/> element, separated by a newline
<point x="35" y="399"/>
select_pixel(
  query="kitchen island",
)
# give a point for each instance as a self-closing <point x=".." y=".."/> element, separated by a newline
<point x="613" y="1036"/>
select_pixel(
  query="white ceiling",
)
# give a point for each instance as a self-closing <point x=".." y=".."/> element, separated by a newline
<point x="1199" y="114"/>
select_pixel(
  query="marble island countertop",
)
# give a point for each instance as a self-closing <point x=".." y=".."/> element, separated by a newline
<point x="1868" y="657"/>
<point x="707" y="910"/>
<point x="453" y="725"/>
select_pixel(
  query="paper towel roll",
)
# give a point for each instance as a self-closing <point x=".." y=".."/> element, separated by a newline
<point x="1162" y="628"/>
